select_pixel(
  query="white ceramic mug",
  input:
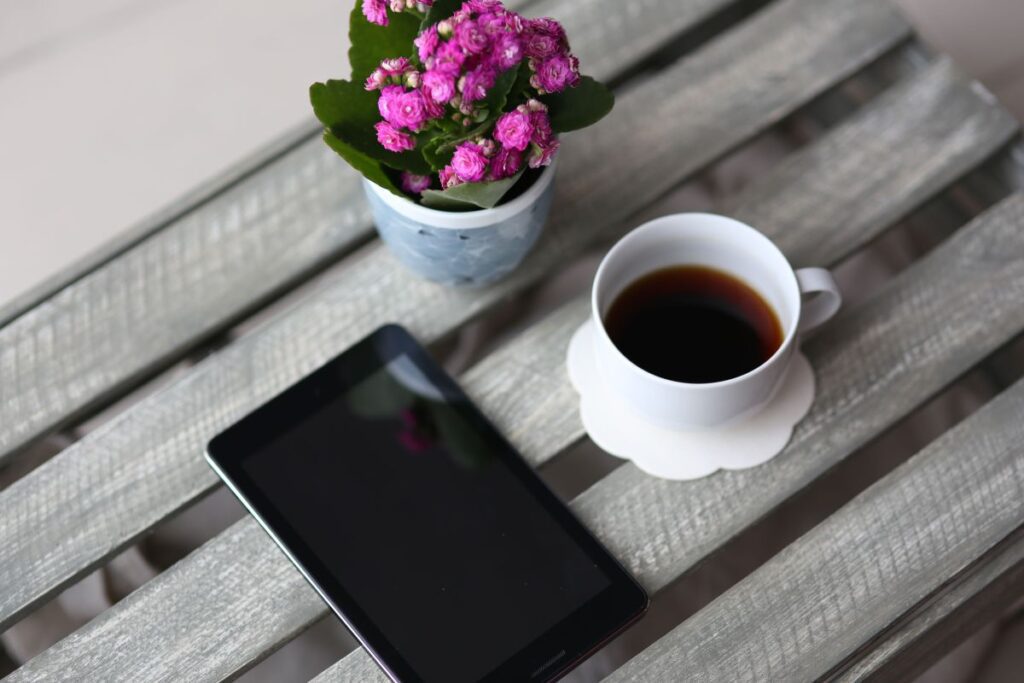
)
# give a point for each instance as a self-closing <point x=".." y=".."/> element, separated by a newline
<point x="735" y="248"/>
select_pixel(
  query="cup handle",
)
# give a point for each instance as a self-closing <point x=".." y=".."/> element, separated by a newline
<point x="823" y="306"/>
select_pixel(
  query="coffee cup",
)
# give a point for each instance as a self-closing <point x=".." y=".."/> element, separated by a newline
<point x="722" y="245"/>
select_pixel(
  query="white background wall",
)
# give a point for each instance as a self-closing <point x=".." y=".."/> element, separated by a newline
<point x="110" y="109"/>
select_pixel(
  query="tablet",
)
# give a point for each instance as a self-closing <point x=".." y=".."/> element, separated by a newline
<point x="420" y="525"/>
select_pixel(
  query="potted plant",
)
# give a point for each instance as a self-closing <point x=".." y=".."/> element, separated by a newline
<point x="452" y="115"/>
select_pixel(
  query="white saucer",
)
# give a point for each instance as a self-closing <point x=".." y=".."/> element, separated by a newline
<point x="670" y="454"/>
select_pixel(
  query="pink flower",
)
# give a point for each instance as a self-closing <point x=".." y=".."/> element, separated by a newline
<point x="408" y="111"/>
<point x="475" y="83"/>
<point x="541" y="155"/>
<point x="395" y="66"/>
<point x="507" y="50"/>
<point x="506" y="163"/>
<point x="496" y="23"/>
<point x="471" y="38"/>
<point x="481" y="6"/>
<point x="469" y="162"/>
<point x="427" y="43"/>
<point x="488" y="147"/>
<point x="539" y="45"/>
<point x="388" y="95"/>
<point x="449" y="58"/>
<point x="376" y="12"/>
<point x="556" y="73"/>
<point x="541" y="125"/>
<point x="434" y="110"/>
<point x="389" y="70"/>
<point x="414" y="184"/>
<point x="544" y="37"/>
<point x="397" y="5"/>
<point x="448" y="177"/>
<point x="375" y="80"/>
<point x="440" y="87"/>
<point x="514" y="130"/>
<point x="392" y="139"/>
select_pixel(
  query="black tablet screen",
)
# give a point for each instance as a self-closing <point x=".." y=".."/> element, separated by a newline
<point x="412" y="505"/>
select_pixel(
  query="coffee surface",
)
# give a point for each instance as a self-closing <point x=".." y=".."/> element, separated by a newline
<point x="693" y="324"/>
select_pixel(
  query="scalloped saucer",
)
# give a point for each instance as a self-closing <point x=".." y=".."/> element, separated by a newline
<point x="671" y="454"/>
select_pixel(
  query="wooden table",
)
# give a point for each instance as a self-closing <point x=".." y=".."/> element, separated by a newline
<point x="882" y="587"/>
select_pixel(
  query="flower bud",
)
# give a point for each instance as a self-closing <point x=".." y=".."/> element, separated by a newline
<point x="444" y="28"/>
<point x="488" y="147"/>
<point x="411" y="79"/>
<point x="535" y="84"/>
<point x="376" y="79"/>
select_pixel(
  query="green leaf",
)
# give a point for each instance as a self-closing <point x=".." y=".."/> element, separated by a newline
<point x="470" y="195"/>
<point x="350" y="112"/>
<point x="370" y="168"/>
<point x="369" y="44"/>
<point x="497" y="96"/>
<point x="579" y="107"/>
<point x="434" y="156"/>
<point x="440" y="10"/>
<point x="521" y="86"/>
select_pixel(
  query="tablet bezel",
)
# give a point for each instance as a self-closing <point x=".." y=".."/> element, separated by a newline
<point x="546" y="656"/>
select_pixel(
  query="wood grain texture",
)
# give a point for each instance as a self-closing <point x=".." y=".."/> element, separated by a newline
<point x="110" y="488"/>
<point x="948" y="616"/>
<point x="920" y="136"/>
<point x="139" y="311"/>
<point x="828" y="593"/>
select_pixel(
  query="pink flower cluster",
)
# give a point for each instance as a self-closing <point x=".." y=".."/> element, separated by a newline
<point x="458" y="60"/>
<point x="523" y="134"/>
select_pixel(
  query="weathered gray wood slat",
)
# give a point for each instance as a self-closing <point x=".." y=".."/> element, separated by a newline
<point x="143" y="466"/>
<point x="137" y="312"/>
<point x="522" y="387"/>
<point x="141" y="310"/>
<point x="873" y="366"/>
<point x="826" y="595"/>
<point x="941" y="622"/>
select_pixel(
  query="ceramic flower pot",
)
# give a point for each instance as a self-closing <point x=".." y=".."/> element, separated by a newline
<point x="467" y="247"/>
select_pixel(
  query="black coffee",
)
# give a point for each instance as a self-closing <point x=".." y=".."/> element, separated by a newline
<point x="693" y="324"/>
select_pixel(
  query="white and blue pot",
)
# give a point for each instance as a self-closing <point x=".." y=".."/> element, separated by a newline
<point x="462" y="247"/>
